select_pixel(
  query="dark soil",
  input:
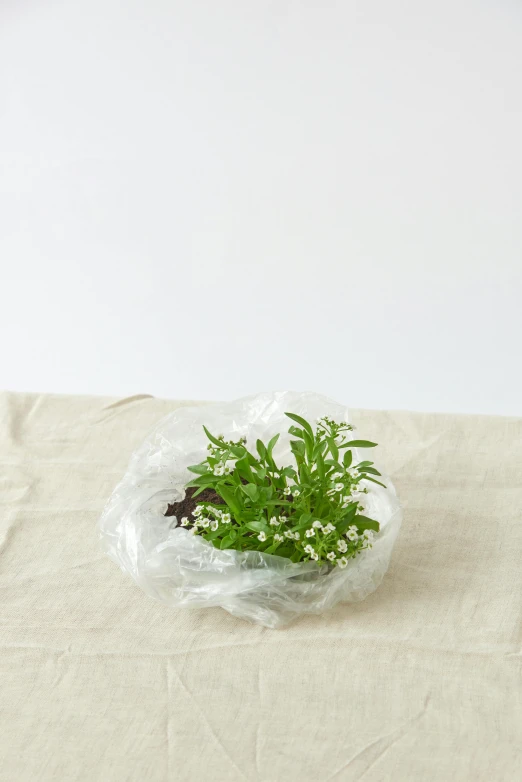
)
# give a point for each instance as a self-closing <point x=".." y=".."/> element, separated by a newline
<point x="188" y="504"/>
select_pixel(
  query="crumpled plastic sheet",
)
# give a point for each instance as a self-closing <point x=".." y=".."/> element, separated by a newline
<point x="183" y="570"/>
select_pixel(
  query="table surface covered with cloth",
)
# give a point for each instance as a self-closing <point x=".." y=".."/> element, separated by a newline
<point x="420" y="681"/>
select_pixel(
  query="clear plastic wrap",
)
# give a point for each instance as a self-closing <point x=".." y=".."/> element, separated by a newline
<point x="183" y="570"/>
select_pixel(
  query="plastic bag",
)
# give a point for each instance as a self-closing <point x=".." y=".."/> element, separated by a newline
<point x="183" y="570"/>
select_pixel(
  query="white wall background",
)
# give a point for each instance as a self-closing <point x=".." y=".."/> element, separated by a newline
<point x="203" y="199"/>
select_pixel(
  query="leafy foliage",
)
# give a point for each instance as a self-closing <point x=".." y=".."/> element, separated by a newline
<point x="313" y="509"/>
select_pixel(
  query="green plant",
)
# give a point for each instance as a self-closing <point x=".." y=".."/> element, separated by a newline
<point x="313" y="510"/>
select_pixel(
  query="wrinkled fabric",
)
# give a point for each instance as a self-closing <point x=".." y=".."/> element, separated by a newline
<point x="420" y="681"/>
<point x="184" y="570"/>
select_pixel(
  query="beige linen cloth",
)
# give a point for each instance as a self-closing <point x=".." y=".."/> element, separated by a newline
<point x="421" y="681"/>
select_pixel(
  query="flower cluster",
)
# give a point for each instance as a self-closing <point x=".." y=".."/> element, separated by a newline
<point x="311" y="510"/>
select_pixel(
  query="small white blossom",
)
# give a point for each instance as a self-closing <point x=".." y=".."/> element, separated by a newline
<point x="278" y="537"/>
<point x="368" y="534"/>
<point x="353" y="473"/>
<point x="315" y="555"/>
<point x="289" y="534"/>
<point x="198" y="511"/>
<point x="214" y="525"/>
<point x="329" y="528"/>
<point x="286" y="491"/>
<point x="274" y="522"/>
<point x="342" y="546"/>
<point x="184" y="521"/>
<point x="296" y="535"/>
<point x="262" y="537"/>
<point x="317" y="525"/>
<point x="352" y="534"/>
<point x="225" y="518"/>
<point x="339" y="486"/>
<point x="309" y="533"/>
<point x="337" y="475"/>
<point x="296" y="492"/>
<point x="342" y="562"/>
<point x="282" y="519"/>
<point x="219" y="469"/>
<point x="331" y="556"/>
<point x="309" y="549"/>
<point x="205" y="523"/>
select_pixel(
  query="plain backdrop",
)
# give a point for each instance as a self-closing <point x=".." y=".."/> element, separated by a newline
<point x="202" y="199"/>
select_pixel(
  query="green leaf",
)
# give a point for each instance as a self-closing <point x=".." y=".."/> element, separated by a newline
<point x="359" y="444"/>
<point x="213" y="439"/>
<point x="347" y="459"/>
<point x="305" y="519"/>
<point x="333" y="447"/>
<point x="296" y="432"/>
<point x="213" y="535"/>
<point x="320" y="466"/>
<point x="363" y="522"/>
<point x="298" y="448"/>
<point x="258" y="526"/>
<point x="230" y="498"/>
<point x="199" y="469"/>
<point x="301" y="421"/>
<point x="261" y="449"/>
<point x="374" y="481"/>
<point x="243" y="467"/>
<point x="371" y="470"/>
<point x="309" y="444"/>
<point x="251" y="491"/>
<point x="238" y="451"/>
<point x="271" y="444"/>
<point x="226" y="542"/>
<point x="203" y="480"/>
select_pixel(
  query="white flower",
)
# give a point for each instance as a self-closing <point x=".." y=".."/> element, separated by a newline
<point x="368" y="534"/>
<point x="317" y="525"/>
<point x="278" y="537"/>
<point x="342" y="562"/>
<point x="227" y="470"/>
<point x="205" y="522"/>
<point x="309" y="549"/>
<point x="353" y="473"/>
<point x="198" y="511"/>
<point x="329" y="528"/>
<point x="274" y="522"/>
<point x="342" y="546"/>
<point x="225" y="518"/>
<point x="315" y="555"/>
<point x="286" y="491"/>
<point x="336" y="475"/>
<point x="296" y="536"/>
<point x="289" y="534"/>
<point x="309" y="533"/>
<point x="339" y="487"/>
<point x="214" y="525"/>
<point x="331" y="556"/>
<point x="352" y="534"/>
<point x="219" y="469"/>
<point x="262" y="537"/>
<point x="282" y="519"/>
<point x="296" y="492"/>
